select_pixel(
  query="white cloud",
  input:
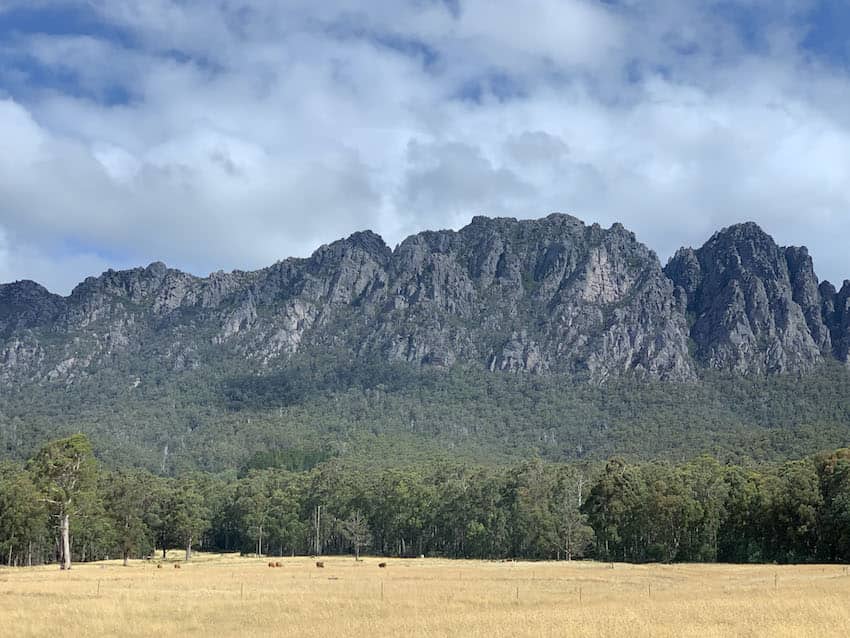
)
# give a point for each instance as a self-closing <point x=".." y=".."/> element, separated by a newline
<point x="257" y="130"/>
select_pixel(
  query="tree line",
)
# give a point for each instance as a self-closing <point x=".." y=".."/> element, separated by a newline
<point x="61" y="506"/>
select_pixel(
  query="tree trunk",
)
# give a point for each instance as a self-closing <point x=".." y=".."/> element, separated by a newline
<point x="189" y="549"/>
<point x="163" y="550"/>
<point x="9" y="560"/>
<point x="66" y="541"/>
<point x="126" y="558"/>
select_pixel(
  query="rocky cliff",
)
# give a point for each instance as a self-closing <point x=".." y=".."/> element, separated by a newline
<point x="540" y="296"/>
<point x="753" y="306"/>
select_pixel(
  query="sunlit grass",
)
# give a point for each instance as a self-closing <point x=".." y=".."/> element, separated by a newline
<point x="221" y="595"/>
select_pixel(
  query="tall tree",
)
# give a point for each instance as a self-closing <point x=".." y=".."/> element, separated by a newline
<point x="187" y="516"/>
<point x="535" y="525"/>
<point x="128" y="498"/>
<point x="356" y="530"/>
<point x="834" y="472"/>
<point x="254" y="507"/>
<point x="66" y="471"/>
<point x="608" y="506"/>
<point x="286" y="528"/>
<point x="23" y="515"/>
<point x="572" y="532"/>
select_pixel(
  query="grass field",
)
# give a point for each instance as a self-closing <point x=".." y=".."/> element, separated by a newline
<point x="218" y="595"/>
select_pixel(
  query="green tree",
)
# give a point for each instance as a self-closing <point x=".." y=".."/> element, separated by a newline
<point x="23" y="515"/>
<point x="253" y="505"/>
<point x="286" y="529"/>
<point x="129" y="499"/>
<point x="534" y="522"/>
<point x="834" y="474"/>
<point x="740" y="538"/>
<point x="795" y="504"/>
<point x="186" y="515"/>
<point x="66" y="471"/>
<point x="609" y="507"/>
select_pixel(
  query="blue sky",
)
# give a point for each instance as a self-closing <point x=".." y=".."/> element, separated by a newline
<point x="230" y="134"/>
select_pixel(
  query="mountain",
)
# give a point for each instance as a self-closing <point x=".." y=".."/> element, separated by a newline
<point x="550" y="298"/>
<point x="547" y="295"/>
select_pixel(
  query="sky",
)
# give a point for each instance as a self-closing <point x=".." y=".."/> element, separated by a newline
<point x="225" y="134"/>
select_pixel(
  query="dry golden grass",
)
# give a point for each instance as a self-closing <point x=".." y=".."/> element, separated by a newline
<point x="229" y="596"/>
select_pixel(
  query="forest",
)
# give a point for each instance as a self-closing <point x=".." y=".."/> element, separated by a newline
<point x="62" y="506"/>
<point x="221" y="417"/>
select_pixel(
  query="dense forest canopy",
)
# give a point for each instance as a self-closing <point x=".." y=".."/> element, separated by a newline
<point x="230" y="418"/>
<point x="700" y="510"/>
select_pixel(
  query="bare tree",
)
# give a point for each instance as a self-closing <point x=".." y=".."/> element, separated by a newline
<point x="356" y="530"/>
<point x="573" y="534"/>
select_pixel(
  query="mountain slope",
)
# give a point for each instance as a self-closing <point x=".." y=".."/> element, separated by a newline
<point x="481" y="341"/>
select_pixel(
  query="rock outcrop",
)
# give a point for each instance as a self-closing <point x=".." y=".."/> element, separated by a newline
<point x="835" y="309"/>
<point x="536" y="296"/>
<point x="754" y="307"/>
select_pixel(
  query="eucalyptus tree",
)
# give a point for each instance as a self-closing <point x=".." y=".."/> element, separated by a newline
<point x="572" y="533"/>
<point x="186" y="515"/>
<point x="834" y="473"/>
<point x="609" y="508"/>
<point x="286" y="529"/>
<point x="65" y="470"/>
<point x="356" y="529"/>
<point x="253" y="506"/>
<point x="23" y="515"/>
<point x="129" y="498"/>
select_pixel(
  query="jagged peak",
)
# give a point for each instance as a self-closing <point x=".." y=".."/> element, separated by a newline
<point x="745" y="247"/>
<point x="439" y="240"/>
<point x="157" y="268"/>
<point x="799" y="252"/>
<point x="364" y="240"/>
<point x="744" y="231"/>
<point x="368" y="240"/>
<point x="559" y="219"/>
<point x="25" y="287"/>
<point x="22" y="301"/>
<point x="685" y="252"/>
<point x="134" y="283"/>
<point x="827" y="289"/>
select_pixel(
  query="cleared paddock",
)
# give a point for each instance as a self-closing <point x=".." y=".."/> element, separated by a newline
<point x="227" y="595"/>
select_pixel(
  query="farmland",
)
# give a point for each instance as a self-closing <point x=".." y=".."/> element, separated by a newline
<point x="226" y="595"/>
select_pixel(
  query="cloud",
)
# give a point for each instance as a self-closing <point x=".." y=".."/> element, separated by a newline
<point x="232" y="134"/>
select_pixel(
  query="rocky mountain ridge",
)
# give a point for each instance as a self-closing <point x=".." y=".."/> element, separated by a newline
<point x="551" y="295"/>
